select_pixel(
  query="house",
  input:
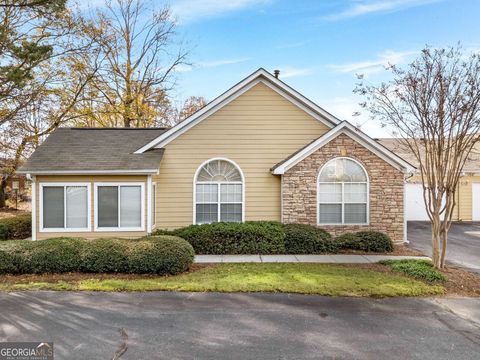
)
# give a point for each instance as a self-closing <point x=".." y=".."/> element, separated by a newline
<point x="259" y="151"/>
<point x="467" y="195"/>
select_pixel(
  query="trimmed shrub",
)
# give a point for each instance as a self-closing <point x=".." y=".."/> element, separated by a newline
<point x="366" y="241"/>
<point x="105" y="256"/>
<point x="18" y="227"/>
<point x="418" y="269"/>
<point x="307" y="239"/>
<point x="157" y="255"/>
<point x="251" y="237"/>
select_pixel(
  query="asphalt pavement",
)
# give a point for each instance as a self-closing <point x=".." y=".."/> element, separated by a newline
<point x="169" y="325"/>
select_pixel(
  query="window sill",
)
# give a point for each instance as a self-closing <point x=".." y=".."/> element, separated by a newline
<point x="54" y="230"/>
<point x="116" y="229"/>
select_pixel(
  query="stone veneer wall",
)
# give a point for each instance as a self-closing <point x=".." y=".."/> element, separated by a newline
<point x="299" y="189"/>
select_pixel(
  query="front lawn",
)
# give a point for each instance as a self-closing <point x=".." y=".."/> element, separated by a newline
<point x="321" y="279"/>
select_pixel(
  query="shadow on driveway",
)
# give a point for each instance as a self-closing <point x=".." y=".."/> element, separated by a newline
<point x="463" y="247"/>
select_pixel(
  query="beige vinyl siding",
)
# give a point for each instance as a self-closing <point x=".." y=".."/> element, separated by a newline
<point x="256" y="130"/>
<point x="88" y="179"/>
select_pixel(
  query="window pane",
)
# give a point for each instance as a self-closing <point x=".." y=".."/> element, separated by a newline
<point x="330" y="192"/>
<point x="53" y="207"/>
<point x="330" y="213"/>
<point x="231" y="193"/>
<point x="130" y="206"/>
<point x="219" y="170"/>
<point x="107" y="206"/>
<point x="345" y="170"/>
<point x="207" y="193"/>
<point x="206" y="213"/>
<point x="355" y="213"/>
<point x="355" y="193"/>
<point x="231" y="212"/>
<point x="328" y="173"/>
<point x="77" y="207"/>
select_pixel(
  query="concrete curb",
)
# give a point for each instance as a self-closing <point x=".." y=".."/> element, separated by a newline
<point x="319" y="259"/>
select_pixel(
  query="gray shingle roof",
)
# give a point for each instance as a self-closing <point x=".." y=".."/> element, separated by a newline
<point x="95" y="149"/>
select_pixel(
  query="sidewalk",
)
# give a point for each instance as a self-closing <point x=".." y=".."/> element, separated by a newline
<point x="320" y="259"/>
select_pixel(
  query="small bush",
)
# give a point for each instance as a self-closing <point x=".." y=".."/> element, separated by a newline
<point x="18" y="227"/>
<point x="158" y="255"/>
<point x="251" y="237"/>
<point x="418" y="269"/>
<point x="366" y="241"/>
<point x="306" y="239"/>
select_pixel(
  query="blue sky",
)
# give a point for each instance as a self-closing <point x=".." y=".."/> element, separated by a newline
<point x="317" y="45"/>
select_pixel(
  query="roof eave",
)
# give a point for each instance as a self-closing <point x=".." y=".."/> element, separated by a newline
<point x="89" y="172"/>
<point x="345" y="127"/>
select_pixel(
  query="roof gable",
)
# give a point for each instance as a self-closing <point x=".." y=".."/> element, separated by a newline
<point x="259" y="76"/>
<point x="348" y="129"/>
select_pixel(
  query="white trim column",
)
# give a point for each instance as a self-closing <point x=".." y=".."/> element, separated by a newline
<point x="405" y="239"/>
<point x="34" y="208"/>
<point x="149" y="204"/>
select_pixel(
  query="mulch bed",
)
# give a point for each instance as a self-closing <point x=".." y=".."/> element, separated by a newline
<point x="72" y="277"/>
<point x="459" y="282"/>
<point x="10" y="212"/>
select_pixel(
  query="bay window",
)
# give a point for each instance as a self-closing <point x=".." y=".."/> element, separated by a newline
<point x="119" y="207"/>
<point x="64" y="207"/>
<point x="342" y="193"/>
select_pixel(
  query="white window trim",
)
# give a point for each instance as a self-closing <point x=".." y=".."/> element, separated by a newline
<point x="194" y="221"/>
<point x="154" y="204"/>
<point x="343" y="192"/>
<point x="64" y="185"/>
<point x="118" y="228"/>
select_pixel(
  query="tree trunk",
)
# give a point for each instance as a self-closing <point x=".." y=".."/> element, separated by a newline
<point x="444" y="238"/>
<point x="3" y="185"/>
<point x="436" y="239"/>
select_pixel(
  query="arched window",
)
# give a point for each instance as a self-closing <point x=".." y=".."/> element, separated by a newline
<point x="342" y="193"/>
<point x="219" y="192"/>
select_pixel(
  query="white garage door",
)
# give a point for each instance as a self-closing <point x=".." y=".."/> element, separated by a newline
<point x="414" y="204"/>
<point x="475" y="201"/>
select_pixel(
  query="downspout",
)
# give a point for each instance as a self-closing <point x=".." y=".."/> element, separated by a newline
<point x="34" y="205"/>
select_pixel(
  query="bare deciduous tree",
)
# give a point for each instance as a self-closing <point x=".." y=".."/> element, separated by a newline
<point x="434" y="107"/>
<point x="141" y="54"/>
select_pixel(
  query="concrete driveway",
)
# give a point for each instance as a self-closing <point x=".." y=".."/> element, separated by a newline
<point x="463" y="247"/>
<point x="161" y="325"/>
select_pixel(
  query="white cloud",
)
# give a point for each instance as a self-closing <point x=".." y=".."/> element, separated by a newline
<point x="210" y="64"/>
<point x="364" y="7"/>
<point x="383" y="60"/>
<point x="191" y="10"/>
<point x="290" y="72"/>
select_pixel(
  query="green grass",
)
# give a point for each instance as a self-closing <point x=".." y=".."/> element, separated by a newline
<point x="321" y="279"/>
<point x="418" y="269"/>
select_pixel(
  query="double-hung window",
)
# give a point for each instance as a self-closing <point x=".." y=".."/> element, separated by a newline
<point x="64" y="207"/>
<point x="218" y="192"/>
<point x="342" y="193"/>
<point x="119" y="207"/>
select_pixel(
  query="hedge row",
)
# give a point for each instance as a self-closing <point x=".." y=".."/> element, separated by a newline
<point x="267" y="237"/>
<point x="157" y="255"/>
<point x="251" y="237"/>
<point x="18" y="227"/>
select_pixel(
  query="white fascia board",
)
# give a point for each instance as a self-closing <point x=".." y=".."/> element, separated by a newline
<point x="281" y="88"/>
<point x="356" y="135"/>
<point x="90" y="172"/>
